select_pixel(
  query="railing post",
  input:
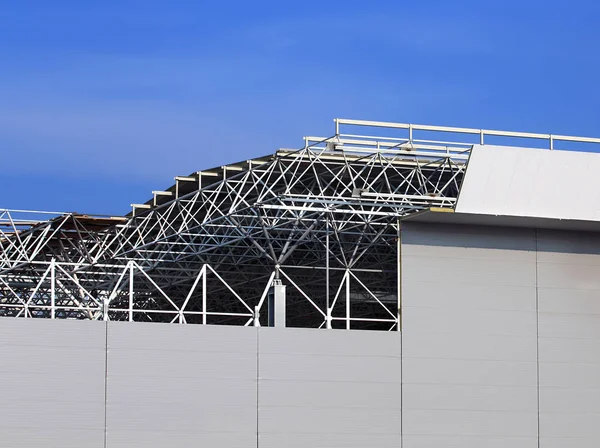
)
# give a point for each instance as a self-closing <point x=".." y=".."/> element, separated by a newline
<point x="131" y="291"/>
<point x="53" y="289"/>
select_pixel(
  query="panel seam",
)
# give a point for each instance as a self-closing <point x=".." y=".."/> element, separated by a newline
<point x="537" y="336"/>
<point x="257" y="382"/>
<point x="400" y="330"/>
<point x="105" y="382"/>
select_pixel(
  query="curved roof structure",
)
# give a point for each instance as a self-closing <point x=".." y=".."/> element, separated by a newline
<point x="322" y="220"/>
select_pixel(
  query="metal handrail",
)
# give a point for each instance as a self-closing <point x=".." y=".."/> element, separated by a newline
<point x="457" y="130"/>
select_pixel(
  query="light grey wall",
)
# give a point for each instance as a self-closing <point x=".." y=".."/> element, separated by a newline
<point x="500" y="346"/>
<point x="469" y="337"/>
<point x="329" y="389"/>
<point x="52" y="383"/>
<point x="192" y="385"/>
<point x="181" y="386"/>
<point x="569" y="345"/>
<point x="501" y="337"/>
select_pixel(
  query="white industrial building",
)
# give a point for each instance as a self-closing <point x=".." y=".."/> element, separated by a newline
<point x="393" y="285"/>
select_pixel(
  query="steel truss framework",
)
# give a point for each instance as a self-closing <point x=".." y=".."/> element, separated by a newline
<point x="323" y="220"/>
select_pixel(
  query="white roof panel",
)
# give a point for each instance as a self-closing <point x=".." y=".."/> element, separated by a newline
<point x="538" y="183"/>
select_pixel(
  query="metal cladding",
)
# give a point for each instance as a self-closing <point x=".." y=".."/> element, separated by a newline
<point x="525" y="182"/>
<point x="323" y="221"/>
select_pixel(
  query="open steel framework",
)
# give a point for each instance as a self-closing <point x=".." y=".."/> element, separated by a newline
<point x="322" y="220"/>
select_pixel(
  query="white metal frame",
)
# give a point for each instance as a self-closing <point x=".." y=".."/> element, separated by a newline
<point x="322" y="220"/>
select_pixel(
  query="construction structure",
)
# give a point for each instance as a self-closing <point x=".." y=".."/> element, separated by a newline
<point x="322" y="219"/>
<point x="473" y="256"/>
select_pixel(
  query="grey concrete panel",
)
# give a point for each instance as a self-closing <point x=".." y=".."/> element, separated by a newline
<point x="312" y="342"/>
<point x="570" y="374"/>
<point x="211" y="364"/>
<point x="428" y="320"/>
<point x="475" y="372"/>
<point x="184" y="381"/>
<point x="465" y="397"/>
<point x="55" y="372"/>
<point x="569" y="301"/>
<point x="571" y="276"/>
<point x="471" y="297"/>
<point x="193" y="338"/>
<point x="566" y="425"/>
<point x="75" y="334"/>
<point x="345" y="440"/>
<point x="178" y="439"/>
<point x="428" y="239"/>
<point x="569" y="343"/>
<point x="569" y="326"/>
<point x="331" y="420"/>
<point x="467" y="441"/>
<point x="577" y="400"/>
<point x="570" y="247"/>
<point x="468" y="271"/>
<point x="488" y="424"/>
<point x="437" y="216"/>
<point x="572" y="351"/>
<point x="56" y="437"/>
<point x="325" y="393"/>
<point x="482" y="348"/>
<point x="328" y="367"/>
<point x="469" y="337"/>
<point x="571" y="442"/>
<point x="329" y="388"/>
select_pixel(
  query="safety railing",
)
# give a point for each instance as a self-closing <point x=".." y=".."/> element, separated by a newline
<point x="481" y="133"/>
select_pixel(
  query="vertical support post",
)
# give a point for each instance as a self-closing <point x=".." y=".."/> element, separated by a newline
<point x="399" y="275"/>
<point x="257" y="316"/>
<point x="551" y="142"/>
<point x="130" y="291"/>
<point x="53" y="289"/>
<point x="337" y="126"/>
<point x="481" y="136"/>
<point x="105" y="302"/>
<point x="276" y="304"/>
<point x="348" y="299"/>
<point x="328" y="308"/>
<point x="204" y="295"/>
<point x="410" y="133"/>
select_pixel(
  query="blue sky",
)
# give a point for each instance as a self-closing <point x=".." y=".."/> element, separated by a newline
<point x="103" y="101"/>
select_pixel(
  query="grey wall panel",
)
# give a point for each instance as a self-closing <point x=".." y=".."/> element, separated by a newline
<point x="53" y="377"/>
<point x="467" y="441"/>
<point x="178" y="385"/>
<point x="569" y="344"/>
<point x="329" y="389"/>
<point x="469" y="336"/>
<point x="465" y="239"/>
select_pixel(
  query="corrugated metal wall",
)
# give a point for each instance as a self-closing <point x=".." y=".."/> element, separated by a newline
<point x="500" y="347"/>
